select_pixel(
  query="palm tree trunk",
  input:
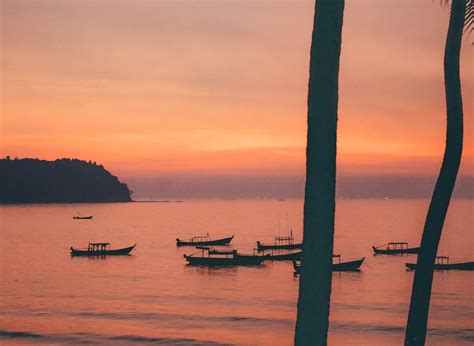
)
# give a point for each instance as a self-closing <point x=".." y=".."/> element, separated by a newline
<point x="421" y="293"/>
<point x="319" y="206"/>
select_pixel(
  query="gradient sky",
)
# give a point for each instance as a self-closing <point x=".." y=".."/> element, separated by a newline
<point x="199" y="88"/>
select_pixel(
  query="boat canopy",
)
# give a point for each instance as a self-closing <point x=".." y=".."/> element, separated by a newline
<point x="284" y="240"/>
<point x="442" y="259"/>
<point x="200" y="238"/>
<point x="98" y="246"/>
<point x="398" y="245"/>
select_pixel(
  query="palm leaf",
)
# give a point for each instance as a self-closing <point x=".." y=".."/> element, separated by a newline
<point x="468" y="16"/>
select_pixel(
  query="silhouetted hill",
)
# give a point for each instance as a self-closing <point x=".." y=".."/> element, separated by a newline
<point x="60" y="181"/>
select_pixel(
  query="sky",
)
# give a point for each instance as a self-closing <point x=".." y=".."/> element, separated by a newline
<point x="196" y="92"/>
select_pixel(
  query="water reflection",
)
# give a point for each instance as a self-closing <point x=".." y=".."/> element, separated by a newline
<point x="153" y="295"/>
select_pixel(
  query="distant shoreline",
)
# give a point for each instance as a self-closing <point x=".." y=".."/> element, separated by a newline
<point x="27" y="181"/>
<point x="159" y="201"/>
<point x="228" y="200"/>
<point x="285" y="199"/>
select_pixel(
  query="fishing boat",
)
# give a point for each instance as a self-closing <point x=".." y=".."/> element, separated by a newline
<point x="336" y="267"/>
<point x="277" y="255"/>
<point x="281" y="243"/>
<point x="395" y="248"/>
<point x="212" y="257"/>
<point x="100" y="249"/>
<point x="272" y="256"/>
<point x="442" y="263"/>
<point x="82" y="217"/>
<point x="203" y="240"/>
<point x="284" y="256"/>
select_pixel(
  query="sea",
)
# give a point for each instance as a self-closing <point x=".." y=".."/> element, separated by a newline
<point x="153" y="297"/>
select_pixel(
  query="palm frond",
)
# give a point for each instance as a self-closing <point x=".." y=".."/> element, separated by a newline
<point x="468" y="16"/>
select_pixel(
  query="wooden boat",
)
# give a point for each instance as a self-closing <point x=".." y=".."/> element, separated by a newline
<point x="203" y="240"/>
<point x="442" y="263"/>
<point x="211" y="257"/>
<point x="281" y="243"/>
<point x="336" y="267"/>
<point x="395" y="248"/>
<point x="289" y="256"/>
<point x="82" y="217"/>
<point x="285" y="256"/>
<point x="347" y="266"/>
<point x="101" y="249"/>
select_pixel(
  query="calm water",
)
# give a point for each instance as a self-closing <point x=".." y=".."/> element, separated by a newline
<point x="152" y="296"/>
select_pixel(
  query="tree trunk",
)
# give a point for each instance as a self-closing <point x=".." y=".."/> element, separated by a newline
<point x="421" y="293"/>
<point x="319" y="205"/>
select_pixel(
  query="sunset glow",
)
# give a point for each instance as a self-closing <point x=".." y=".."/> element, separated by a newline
<point x="150" y="89"/>
<point x="236" y="172"/>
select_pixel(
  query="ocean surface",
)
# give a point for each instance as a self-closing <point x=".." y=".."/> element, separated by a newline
<point x="152" y="296"/>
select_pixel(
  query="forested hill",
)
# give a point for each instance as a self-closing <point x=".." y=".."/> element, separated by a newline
<point x="60" y="181"/>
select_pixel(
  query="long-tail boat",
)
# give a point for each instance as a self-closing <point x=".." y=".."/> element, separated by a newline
<point x="203" y="240"/>
<point x="281" y="243"/>
<point x="276" y="256"/>
<point x="283" y="256"/>
<point x="395" y="248"/>
<point x="336" y="267"/>
<point x="273" y="256"/>
<point x="211" y="257"/>
<point x="101" y="249"/>
<point x="290" y="256"/>
<point x="442" y="263"/>
<point x="82" y="217"/>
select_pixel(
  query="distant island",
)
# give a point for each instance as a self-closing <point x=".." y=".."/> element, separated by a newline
<point x="59" y="181"/>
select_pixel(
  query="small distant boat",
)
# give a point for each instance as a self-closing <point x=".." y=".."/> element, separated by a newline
<point x="83" y="217"/>
<point x="211" y="257"/>
<point x="336" y="267"/>
<point x="281" y="243"/>
<point x="395" y="248"/>
<point x="101" y="249"/>
<point x="203" y="240"/>
<point x="442" y="263"/>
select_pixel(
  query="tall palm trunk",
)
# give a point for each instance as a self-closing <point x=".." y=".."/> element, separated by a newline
<point x="319" y="206"/>
<point x="421" y="294"/>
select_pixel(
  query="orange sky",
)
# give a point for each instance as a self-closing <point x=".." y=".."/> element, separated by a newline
<point x="159" y="88"/>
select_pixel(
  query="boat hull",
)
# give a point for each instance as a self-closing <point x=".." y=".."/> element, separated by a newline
<point x="225" y="261"/>
<point x="451" y="266"/>
<point x="286" y="257"/>
<point x="413" y="250"/>
<point x="223" y="241"/>
<point x="337" y="267"/>
<point x="262" y="247"/>
<point x="116" y="252"/>
<point x="348" y="266"/>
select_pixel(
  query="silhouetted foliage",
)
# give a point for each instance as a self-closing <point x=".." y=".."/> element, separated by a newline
<point x="60" y="181"/>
